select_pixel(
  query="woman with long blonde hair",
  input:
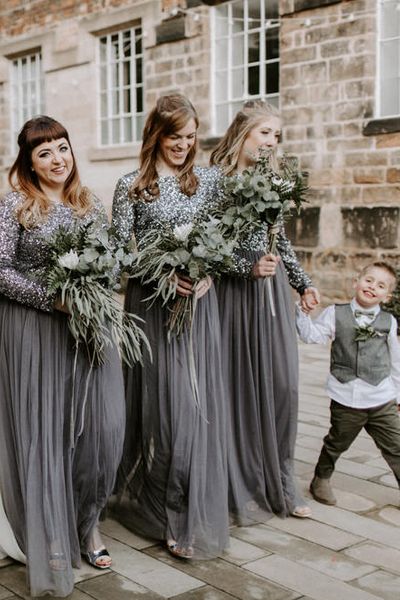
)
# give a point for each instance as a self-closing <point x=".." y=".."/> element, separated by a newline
<point x="260" y="363"/>
<point x="172" y="485"/>
<point x="55" y="477"/>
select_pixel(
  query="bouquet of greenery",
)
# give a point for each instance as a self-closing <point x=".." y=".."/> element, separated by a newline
<point x="261" y="195"/>
<point x="84" y="263"/>
<point x="193" y="250"/>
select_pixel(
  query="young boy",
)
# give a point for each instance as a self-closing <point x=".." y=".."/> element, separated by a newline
<point x="364" y="380"/>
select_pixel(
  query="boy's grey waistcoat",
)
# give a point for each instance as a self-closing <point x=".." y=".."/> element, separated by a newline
<point x="369" y="360"/>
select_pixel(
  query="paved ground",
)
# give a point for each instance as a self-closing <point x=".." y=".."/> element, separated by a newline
<point x="347" y="552"/>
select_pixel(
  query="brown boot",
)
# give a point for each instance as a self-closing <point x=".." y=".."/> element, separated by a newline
<point x="321" y="491"/>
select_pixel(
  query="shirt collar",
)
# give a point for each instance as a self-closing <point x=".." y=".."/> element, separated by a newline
<point x="355" y="306"/>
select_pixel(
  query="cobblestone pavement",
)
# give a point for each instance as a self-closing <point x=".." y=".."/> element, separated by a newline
<point x="347" y="552"/>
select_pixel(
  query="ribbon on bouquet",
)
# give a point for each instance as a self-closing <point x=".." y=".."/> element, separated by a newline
<point x="273" y="232"/>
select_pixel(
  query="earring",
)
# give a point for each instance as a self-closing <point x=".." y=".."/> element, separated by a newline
<point x="32" y="169"/>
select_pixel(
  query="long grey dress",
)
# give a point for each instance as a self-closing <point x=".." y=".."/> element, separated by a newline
<point x="53" y="482"/>
<point x="260" y="366"/>
<point x="172" y="481"/>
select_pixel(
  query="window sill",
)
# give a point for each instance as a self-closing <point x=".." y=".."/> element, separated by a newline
<point x="120" y="152"/>
<point x="383" y="125"/>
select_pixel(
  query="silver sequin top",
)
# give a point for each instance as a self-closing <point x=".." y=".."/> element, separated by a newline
<point x="170" y="208"/>
<point x="24" y="253"/>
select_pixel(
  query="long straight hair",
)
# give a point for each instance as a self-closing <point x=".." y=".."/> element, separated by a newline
<point x="22" y="178"/>
<point x="226" y="154"/>
<point x="171" y="113"/>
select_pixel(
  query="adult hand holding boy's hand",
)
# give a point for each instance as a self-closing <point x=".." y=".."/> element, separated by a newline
<point x="309" y="299"/>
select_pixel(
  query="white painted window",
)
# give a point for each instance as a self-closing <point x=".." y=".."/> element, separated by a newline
<point x="245" y="56"/>
<point x="389" y="59"/>
<point x="120" y="59"/>
<point x="26" y="90"/>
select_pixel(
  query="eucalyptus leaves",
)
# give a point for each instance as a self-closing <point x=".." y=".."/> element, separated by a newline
<point x="84" y="263"/>
<point x="366" y="332"/>
<point x="194" y="250"/>
<point x="260" y="195"/>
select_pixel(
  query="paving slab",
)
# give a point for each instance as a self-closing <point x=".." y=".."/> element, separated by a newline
<point x="306" y="580"/>
<point x="155" y="575"/>
<point x="391" y="514"/>
<point x="356" y="469"/>
<point x="229" y="578"/>
<point x="240" y="552"/>
<point x="205" y="593"/>
<point x="334" y="538"/>
<point x="358" y="525"/>
<point x="116" y="531"/>
<point x="326" y="561"/>
<point x="14" y="579"/>
<point x="384" y="585"/>
<point x="115" y="587"/>
<point x="377" y="555"/>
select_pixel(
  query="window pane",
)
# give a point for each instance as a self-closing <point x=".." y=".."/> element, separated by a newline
<point x="238" y="50"/>
<point x="103" y="78"/>
<point x="126" y="44"/>
<point x="114" y="47"/>
<point x="222" y="21"/>
<point x="272" y="78"/>
<point x="254" y="47"/>
<point x="127" y="130"/>
<point x="222" y="115"/>
<point x="390" y="59"/>
<point x="115" y="129"/>
<point x="272" y="43"/>
<point x="115" y="102"/>
<point x="139" y="76"/>
<point x="127" y="101"/>
<point x="272" y="9"/>
<point x="139" y="99"/>
<point x="126" y="73"/>
<point x="254" y="81"/>
<point x="139" y="126"/>
<point x="104" y="132"/>
<point x="103" y="105"/>
<point x="390" y="19"/>
<point x="138" y="45"/>
<point x="221" y="88"/>
<point x="254" y="13"/>
<point x="390" y="97"/>
<point x="237" y="83"/>
<point x="103" y="49"/>
<point x="221" y="51"/>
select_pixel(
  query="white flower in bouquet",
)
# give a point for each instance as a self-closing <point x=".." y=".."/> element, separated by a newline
<point x="84" y="263"/>
<point x="69" y="260"/>
<point x="182" y="232"/>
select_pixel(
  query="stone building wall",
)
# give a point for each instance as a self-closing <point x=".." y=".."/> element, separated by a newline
<point x="328" y="70"/>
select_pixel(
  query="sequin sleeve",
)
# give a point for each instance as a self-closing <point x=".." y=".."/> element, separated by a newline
<point x="123" y="210"/>
<point x="14" y="283"/>
<point x="298" y="278"/>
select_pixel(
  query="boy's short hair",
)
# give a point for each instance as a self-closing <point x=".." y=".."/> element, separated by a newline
<point x="386" y="267"/>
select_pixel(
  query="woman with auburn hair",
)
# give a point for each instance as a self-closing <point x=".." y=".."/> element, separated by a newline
<point x="260" y="362"/>
<point x="55" y="476"/>
<point x="172" y="479"/>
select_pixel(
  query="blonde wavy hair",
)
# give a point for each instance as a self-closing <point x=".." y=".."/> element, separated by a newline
<point x="36" y="205"/>
<point x="226" y="154"/>
<point x="171" y="113"/>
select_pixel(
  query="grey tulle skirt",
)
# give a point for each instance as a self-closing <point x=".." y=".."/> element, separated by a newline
<point x="260" y="367"/>
<point x="54" y="482"/>
<point x="172" y="483"/>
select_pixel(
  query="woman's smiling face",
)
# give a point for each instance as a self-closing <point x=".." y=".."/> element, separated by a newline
<point x="175" y="148"/>
<point x="52" y="162"/>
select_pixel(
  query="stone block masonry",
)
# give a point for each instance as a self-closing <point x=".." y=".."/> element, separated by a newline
<point x="328" y="71"/>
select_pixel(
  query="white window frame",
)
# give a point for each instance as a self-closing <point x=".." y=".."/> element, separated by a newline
<point x="27" y="93"/>
<point x="121" y="115"/>
<point x="380" y="41"/>
<point x="231" y="102"/>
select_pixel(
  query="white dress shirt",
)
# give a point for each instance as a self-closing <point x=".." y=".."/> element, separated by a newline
<point x="356" y="393"/>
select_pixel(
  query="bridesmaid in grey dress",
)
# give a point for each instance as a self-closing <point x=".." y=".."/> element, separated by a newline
<point x="260" y="360"/>
<point x="172" y="483"/>
<point x="53" y="481"/>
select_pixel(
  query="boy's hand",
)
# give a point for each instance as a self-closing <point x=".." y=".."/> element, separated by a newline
<point x="309" y="299"/>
